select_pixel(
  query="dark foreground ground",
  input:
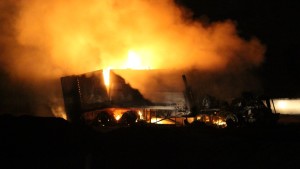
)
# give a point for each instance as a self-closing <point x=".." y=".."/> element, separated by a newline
<point x="32" y="142"/>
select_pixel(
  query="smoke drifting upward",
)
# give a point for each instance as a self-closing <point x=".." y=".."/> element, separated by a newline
<point x="79" y="36"/>
<point x="62" y="37"/>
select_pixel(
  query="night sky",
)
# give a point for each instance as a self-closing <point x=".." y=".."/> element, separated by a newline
<point x="275" y="24"/>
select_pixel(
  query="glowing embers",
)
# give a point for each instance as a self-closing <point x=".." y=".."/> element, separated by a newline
<point x="213" y="119"/>
<point x="162" y="115"/>
<point x="113" y="117"/>
<point x="117" y="114"/>
<point x="162" y="121"/>
<point x="219" y="122"/>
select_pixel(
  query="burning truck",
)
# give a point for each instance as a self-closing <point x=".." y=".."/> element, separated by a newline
<point x="103" y="98"/>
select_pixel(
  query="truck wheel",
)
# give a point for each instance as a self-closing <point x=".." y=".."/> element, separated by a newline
<point x="104" y="119"/>
<point x="129" y="118"/>
<point x="231" y="121"/>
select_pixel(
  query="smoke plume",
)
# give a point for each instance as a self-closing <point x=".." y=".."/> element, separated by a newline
<point x="44" y="40"/>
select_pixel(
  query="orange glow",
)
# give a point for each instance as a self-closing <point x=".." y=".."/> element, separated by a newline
<point x="72" y="37"/>
<point x="64" y="37"/>
<point x="220" y="122"/>
<point x="282" y="104"/>
<point x="215" y="120"/>
<point x="135" y="61"/>
<point x="106" y="76"/>
<point x="287" y="106"/>
<point x="59" y="112"/>
<point x="141" y="115"/>
<point x="160" y="121"/>
<point x="117" y="117"/>
<point x="118" y="112"/>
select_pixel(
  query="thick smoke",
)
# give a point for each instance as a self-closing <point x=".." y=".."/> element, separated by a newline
<point x="44" y="40"/>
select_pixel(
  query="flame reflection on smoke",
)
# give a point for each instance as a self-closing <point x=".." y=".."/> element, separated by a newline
<point x="84" y="36"/>
<point x="135" y="61"/>
<point x="65" y="37"/>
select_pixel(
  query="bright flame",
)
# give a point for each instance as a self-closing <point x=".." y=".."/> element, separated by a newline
<point x="71" y="37"/>
<point x="220" y="122"/>
<point x="75" y="36"/>
<point x="161" y="121"/>
<point x="287" y="106"/>
<point x="106" y="76"/>
<point x="118" y="117"/>
<point x="134" y="61"/>
<point x="118" y="112"/>
<point x="282" y="104"/>
<point x="58" y="111"/>
<point x="141" y="115"/>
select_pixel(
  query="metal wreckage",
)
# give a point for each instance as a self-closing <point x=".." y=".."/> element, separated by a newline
<point x="89" y="100"/>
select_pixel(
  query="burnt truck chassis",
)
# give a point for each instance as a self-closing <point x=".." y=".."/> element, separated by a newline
<point x="247" y="110"/>
<point x="232" y="116"/>
<point x="88" y="101"/>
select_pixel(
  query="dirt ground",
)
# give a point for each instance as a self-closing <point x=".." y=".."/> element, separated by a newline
<point x="34" y="142"/>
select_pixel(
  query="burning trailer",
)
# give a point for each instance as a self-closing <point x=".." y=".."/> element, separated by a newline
<point x="103" y="98"/>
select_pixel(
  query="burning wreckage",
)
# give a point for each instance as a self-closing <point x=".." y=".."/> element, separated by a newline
<point x="103" y="98"/>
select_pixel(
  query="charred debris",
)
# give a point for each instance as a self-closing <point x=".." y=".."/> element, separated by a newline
<point x="89" y="100"/>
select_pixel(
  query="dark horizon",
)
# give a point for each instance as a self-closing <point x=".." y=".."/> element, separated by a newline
<point x="275" y="24"/>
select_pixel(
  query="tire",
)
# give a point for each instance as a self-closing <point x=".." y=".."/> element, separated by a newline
<point x="231" y="121"/>
<point x="129" y="118"/>
<point x="104" y="119"/>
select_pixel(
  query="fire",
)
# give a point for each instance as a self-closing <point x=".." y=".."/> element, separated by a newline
<point x="287" y="106"/>
<point x="220" y="122"/>
<point x="141" y="115"/>
<point x="161" y="121"/>
<point x="75" y="36"/>
<point x="149" y="32"/>
<point x="135" y="61"/>
<point x="118" y="112"/>
<point x="71" y="37"/>
<point x="58" y="111"/>
<point x="106" y="76"/>
<point x="117" y="117"/>
<point x="282" y="104"/>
